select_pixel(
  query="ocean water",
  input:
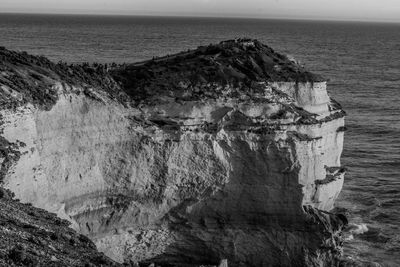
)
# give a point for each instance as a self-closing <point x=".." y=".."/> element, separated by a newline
<point x="362" y="61"/>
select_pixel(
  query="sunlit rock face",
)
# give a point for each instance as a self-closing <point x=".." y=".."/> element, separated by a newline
<point x="229" y="151"/>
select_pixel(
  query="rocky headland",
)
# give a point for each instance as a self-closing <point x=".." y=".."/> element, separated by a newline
<point x="229" y="151"/>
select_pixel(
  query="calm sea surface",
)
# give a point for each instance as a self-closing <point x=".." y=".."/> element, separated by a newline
<point x="362" y="61"/>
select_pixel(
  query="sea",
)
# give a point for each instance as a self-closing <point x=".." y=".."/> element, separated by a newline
<point x="360" y="59"/>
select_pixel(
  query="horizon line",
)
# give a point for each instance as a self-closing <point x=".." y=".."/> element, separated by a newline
<point x="210" y="15"/>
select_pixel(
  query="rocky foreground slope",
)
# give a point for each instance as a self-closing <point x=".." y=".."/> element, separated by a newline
<point x="230" y="151"/>
<point x="33" y="237"/>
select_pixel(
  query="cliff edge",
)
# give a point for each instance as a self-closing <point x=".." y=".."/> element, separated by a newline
<point x="229" y="151"/>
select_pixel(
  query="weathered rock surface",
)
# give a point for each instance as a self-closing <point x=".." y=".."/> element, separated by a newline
<point x="230" y="151"/>
<point x="34" y="237"/>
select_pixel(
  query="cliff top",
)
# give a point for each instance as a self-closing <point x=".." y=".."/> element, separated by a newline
<point x="241" y="64"/>
<point x="230" y="68"/>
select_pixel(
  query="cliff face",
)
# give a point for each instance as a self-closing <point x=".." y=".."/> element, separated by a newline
<point x="230" y="151"/>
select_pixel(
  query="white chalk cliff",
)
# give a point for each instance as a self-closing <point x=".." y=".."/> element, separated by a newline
<point x="230" y="151"/>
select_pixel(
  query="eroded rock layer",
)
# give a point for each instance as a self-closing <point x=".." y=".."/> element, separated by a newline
<point x="230" y="151"/>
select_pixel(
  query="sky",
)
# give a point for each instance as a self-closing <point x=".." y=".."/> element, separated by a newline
<point x="363" y="10"/>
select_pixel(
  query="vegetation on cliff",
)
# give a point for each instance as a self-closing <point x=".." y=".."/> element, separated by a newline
<point x="206" y="71"/>
<point x="26" y="78"/>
